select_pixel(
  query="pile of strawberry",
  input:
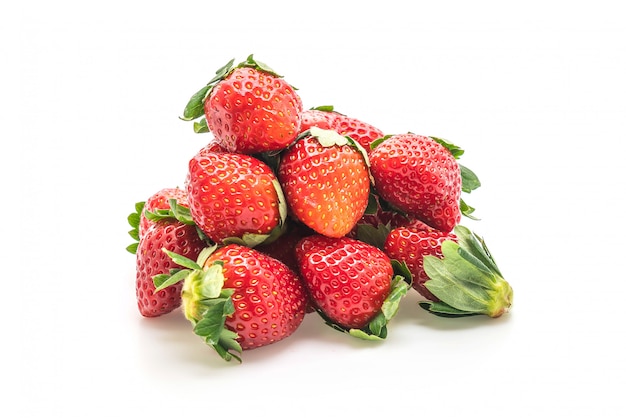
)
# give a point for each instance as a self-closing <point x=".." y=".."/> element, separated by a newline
<point x="287" y="212"/>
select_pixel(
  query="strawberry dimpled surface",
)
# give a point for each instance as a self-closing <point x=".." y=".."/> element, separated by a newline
<point x="348" y="280"/>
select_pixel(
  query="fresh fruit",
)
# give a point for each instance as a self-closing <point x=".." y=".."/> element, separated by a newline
<point x="466" y="279"/>
<point x="349" y="283"/>
<point x="409" y="244"/>
<point x="325" y="117"/>
<point x="238" y="298"/>
<point x="420" y="177"/>
<point x="234" y="195"/>
<point x="249" y="108"/>
<point x="326" y="181"/>
<point x="172" y="235"/>
<point x="286" y="211"/>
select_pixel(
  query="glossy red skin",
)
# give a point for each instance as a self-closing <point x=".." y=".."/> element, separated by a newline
<point x="160" y="200"/>
<point x="326" y="188"/>
<point x="231" y="194"/>
<point x="419" y="177"/>
<point x="347" y="279"/>
<point x="269" y="298"/>
<point x="151" y="260"/>
<point x="410" y="244"/>
<point x="360" y="131"/>
<point x="251" y="111"/>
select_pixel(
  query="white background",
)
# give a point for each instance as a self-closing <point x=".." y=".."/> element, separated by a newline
<point x="535" y="93"/>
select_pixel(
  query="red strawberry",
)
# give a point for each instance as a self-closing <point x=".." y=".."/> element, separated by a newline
<point x="248" y="108"/>
<point x="172" y="235"/>
<point x="420" y="177"/>
<point x="326" y="181"/>
<point x="238" y="298"/>
<point x="234" y="195"/>
<point x="325" y="117"/>
<point x="347" y="280"/>
<point x="410" y="244"/>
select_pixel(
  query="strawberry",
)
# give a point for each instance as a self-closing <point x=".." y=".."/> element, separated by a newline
<point x="248" y="107"/>
<point x="172" y="235"/>
<point x="238" y="298"/>
<point x="326" y="181"/>
<point x="234" y="195"/>
<point x="325" y="117"/>
<point x="349" y="282"/>
<point x="409" y="244"/>
<point x="419" y="176"/>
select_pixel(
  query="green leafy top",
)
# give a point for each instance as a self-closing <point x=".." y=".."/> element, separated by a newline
<point x="134" y="219"/>
<point x="206" y="304"/>
<point x="467" y="280"/>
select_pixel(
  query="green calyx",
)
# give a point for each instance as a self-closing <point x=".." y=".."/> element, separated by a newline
<point x="466" y="280"/>
<point x="206" y="304"/>
<point x="133" y="220"/>
<point x="195" y="106"/>
<point x="179" y="212"/>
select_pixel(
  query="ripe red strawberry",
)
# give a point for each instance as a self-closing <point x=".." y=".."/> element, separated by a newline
<point x="420" y="177"/>
<point x="326" y="182"/>
<point x="347" y="280"/>
<point x="325" y="117"/>
<point x="248" y="108"/>
<point x="238" y="298"/>
<point x="234" y="195"/>
<point x="172" y="235"/>
<point x="410" y="244"/>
